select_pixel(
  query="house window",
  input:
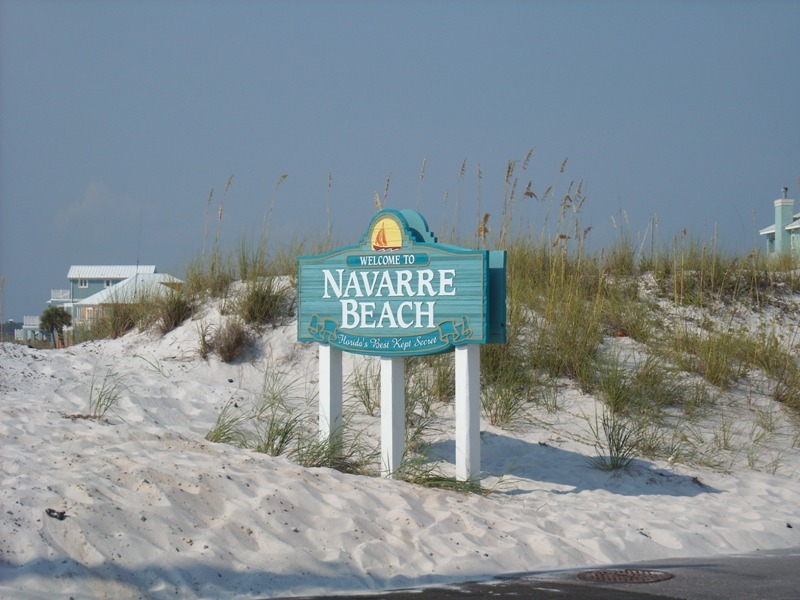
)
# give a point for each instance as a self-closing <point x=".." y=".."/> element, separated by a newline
<point x="83" y="283"/>
<point x="108" y="283"/>
<point x="89" y="313"/>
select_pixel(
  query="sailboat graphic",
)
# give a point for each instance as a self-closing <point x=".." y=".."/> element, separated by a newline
<point x="380" y="240"/>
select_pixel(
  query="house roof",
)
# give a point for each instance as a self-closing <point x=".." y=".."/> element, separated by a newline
<point x="108" y="271"/>
<point x="795" y="224"/>
<point x="131" y="289"/>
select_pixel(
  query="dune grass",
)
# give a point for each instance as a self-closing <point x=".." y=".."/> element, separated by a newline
<point x="568" y="304"/>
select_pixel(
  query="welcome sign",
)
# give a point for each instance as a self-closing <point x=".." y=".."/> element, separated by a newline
<point x="400" y="293"/>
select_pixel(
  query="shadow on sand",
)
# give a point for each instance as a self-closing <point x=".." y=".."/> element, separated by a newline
<point x="540" y="467"/>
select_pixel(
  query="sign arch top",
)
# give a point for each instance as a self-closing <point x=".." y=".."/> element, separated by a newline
<point x="409" y="224"/>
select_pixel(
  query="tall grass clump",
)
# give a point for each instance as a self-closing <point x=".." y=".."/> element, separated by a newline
<point x="264" y="301"/>
<point x="696" y="273"/>
<point x="365" y="385"/>
<point x="211" y="276"/>
<point x="566" y="295"/>
<point x="171" y="309"/>
<point x="276" y="430"/>
<point x="508" y="383"/>
<point x="104" y="393"/>
<point x="620" y="260"/>
<point x="716" y="355"/>
<point x="642" y="389"/>
<point x="624" y="313"/>
<point x="781" y="365"/>
<point x="344" y="451"/>
<point x="568" y="335"/>
<point x="417" y="468"/>
<point x="252" y="261"/>
<point x="438" y="375"/>
<point x="115" y="320"/>
<point x="284" y="259"/>
<point x="616" y="439"/>
<point x="787" y="384"/>
<point x="555" y="297"/>
<point x="205" y="280"/>
<point x="229" y="427"/>
<point x="206" y="340"/>
<point x="420" y="402"/>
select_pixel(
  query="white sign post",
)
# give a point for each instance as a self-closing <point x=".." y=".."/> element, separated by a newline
<point x="330" y="392"/>
<point x="468" y="412"/>
<point x="393" y="414"/>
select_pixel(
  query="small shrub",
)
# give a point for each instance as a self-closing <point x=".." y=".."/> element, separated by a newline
<point x="231" y="339"/>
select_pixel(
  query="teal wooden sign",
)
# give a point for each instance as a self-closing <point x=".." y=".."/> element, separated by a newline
<point x="400" y="293"/>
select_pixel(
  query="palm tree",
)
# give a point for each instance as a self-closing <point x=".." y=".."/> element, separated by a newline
<point x="56" y="318"/>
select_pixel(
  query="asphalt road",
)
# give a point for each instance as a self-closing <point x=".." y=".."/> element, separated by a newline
<point x="767" y="575"/>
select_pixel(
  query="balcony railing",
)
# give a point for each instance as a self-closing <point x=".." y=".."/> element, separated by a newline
<point x="30" y="322"/>
<point x="60" y="295"/>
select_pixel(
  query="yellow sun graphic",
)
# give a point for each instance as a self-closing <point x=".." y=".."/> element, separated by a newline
<point x="386" y="235"/>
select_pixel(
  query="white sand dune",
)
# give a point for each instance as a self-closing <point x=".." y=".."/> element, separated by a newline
<point x="153" y="510"/>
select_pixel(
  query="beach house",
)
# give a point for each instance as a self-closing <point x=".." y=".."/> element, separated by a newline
<point x="138" y="287"/>
<point x="87" y="280"/>
<point x="93" y="286"/>
<point x="783" y="236"/>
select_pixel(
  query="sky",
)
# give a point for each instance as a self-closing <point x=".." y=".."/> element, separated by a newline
<point x="118" y="119"/>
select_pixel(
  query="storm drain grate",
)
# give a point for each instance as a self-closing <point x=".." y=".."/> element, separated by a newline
<point x="625" y="576"/>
